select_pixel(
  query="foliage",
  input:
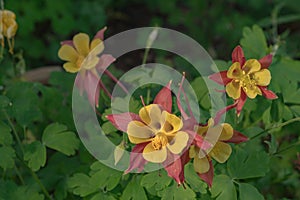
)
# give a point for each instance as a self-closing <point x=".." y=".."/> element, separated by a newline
<point x="42" y="157"/>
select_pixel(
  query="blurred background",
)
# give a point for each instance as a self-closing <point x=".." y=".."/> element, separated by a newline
<point x="217" y="25"/>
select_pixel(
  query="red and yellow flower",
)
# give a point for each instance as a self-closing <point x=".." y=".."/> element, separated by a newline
<point x="218" y="136"/>
<point x="246" y="78"/>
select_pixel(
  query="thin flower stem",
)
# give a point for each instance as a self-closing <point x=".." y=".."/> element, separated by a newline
<point x="19" y="175"/>
<point x="110" y="75"/>
<point x="14" y="131"/>
<point x="22" y="149"/>
<point x="36" y="178"/>
<point x="145" y="56"/>
<point x="277" y="126"/>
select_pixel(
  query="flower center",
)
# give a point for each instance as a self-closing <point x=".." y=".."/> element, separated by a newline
<point x="159" y="141"/>
<point x="246" y="81"/>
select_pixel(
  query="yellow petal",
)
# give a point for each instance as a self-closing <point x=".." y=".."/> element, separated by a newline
<point x="233" y="89"/>
<point x="155" y="156"/>
<point x="178" y="143"/>
<point x="90" y="62"/>
<point x="251" y="65"/>
<point x="235" y="71"/>
<point x="82" y="43"/>
<point x="252" y="91"/>
<point x="151" y="115"/>
<point x="192" y="151"/>
<point x="203" y="129"/>
<point x="172" y="123"/>
<point x="227" y="132"/>
<point x="97" y="46"/>
<point x="221" y="152"/>
<point x="139" y="130"/>
<point x="201" y="165"/>
<point x="136" y="140"/>
<point x="262" y="77"/>
<point x="68" y="53"/>
<point x="70" y="67"/>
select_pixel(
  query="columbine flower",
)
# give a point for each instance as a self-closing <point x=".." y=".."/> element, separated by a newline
<point x="159" y="136"/>
<point x="8" y="27"/>
<point x="83" y="56"/>
<point x="246" y="78"/>
<point x="161" y="130"/>
<point x="217" y="135"/>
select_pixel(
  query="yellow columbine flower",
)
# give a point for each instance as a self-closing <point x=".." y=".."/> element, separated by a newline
<point x="8" y="28"/>
<point x="220" y="151"/>
<point x="162" y="132"/>
<point x="248" y="77"/>
<point x="83" y="54"/>
<point x="8" y="24"/>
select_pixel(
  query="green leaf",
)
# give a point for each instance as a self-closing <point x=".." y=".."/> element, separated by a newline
<point x="80" y="183"/>
<point x="276" y="110"/>
<point x="194" y="180"/>
<point x="102" y="196"/>
<point x="296" y="110"/>
<point x="57" y="137"/>
<point x="254" y="42"/>
<point x="244" y="164"/>
<point x="223" y="188"/>
<point x="24" y="193"/>
<point x="104" y="177"/>
<point x="4" y="101"/>
<point x="5" y="135"/>
<point x="24" y="103"/>
<point x="7" y="155"/>
<point x="35" y="154"/>
<point x="134" y="191"/>
<point x="156" y="181"/>
<point x="178" y="193"/>
<point x="249" y="192"/>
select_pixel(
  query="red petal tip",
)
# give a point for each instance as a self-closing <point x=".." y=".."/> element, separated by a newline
<point x="238" y="55"/>
<point x="266" y="61"/>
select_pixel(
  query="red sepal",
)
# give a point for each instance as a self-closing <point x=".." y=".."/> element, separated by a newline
<point x="238" y="55"/>
<point x="222" y="111"/>
<point x="208" y="176"/>
<point x="164" y="98"/>
<point x="88" y="82"/>
<point x="266" y="61"/>
<point x="240" y="102"/>
<point x="237" y="138"/>
<point x="220" y="78"/>
<point x="121" y="121"/>
<point x="137" y="160"/>
<point x="268" y="93"/>
<point x="176" y="169"/>
<point x="100" y="34"/>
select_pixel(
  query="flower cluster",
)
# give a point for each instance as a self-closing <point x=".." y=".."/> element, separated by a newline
<point x="8" y="28"/>
<point x="162" y="137"/>
<point x="158" y="135"/>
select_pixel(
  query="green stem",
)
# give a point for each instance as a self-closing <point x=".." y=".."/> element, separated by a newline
<point x="277" y="126"/>
<point x="19" y="175"/>
<point x="14" y="131"/>
<point x="36" y="178"/>
<point x="145" y="56"/>
<point x="287" y="148"/>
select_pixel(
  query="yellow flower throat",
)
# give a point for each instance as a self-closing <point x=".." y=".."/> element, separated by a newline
<point x="246" y="81"/>
<point x="159" y="141"/>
